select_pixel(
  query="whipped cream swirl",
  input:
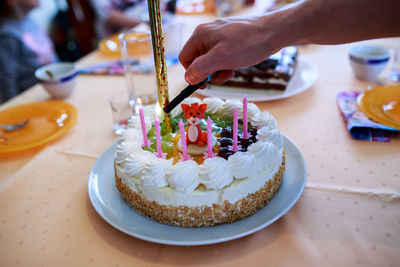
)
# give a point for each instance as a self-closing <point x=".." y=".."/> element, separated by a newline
<point x="150" y="111"/>
<point x="154" y="172"/>
<point x="215" y="173"/>
<point x="130" y="135"/>
<point x="273" y="136"/>
<point x="264" y="119"/>
<point x="244" y="164"/>
<point x="124" y="149"/>
<point x="214" y="104"/>
<point x="252" y="110"/>
<point x="184" y="176"/>
<point x="135" y="163"/>
<point x="230" y="105"/>
<point x="267" y="153"/>
<point x="134" y="122"/>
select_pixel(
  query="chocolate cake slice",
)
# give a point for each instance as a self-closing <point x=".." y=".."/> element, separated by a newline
<point x="273" y="73"/>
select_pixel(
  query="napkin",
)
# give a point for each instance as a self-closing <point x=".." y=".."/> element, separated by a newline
<point x="359" y="126"/>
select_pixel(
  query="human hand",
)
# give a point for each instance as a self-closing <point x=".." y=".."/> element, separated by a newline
<point x="220" y="46"/>
<point x="223" y="45"/>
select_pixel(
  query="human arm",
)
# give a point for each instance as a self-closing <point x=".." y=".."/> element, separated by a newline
<point x="120" y="20"/>
<point x="226" y="44"/>
<point x="110" y="14"/>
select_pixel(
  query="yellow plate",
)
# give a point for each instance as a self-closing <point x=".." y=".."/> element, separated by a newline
<point x="382" y="104"/>
<point x="48" y="120"/>
<point x="110" y="46"/>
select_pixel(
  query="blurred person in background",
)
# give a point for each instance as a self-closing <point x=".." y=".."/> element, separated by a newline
<point x="114" y="15"/>
<point x="24" y="47"/>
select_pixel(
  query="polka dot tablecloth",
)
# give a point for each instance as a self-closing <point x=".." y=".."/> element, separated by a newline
<point x="348" y="215"/>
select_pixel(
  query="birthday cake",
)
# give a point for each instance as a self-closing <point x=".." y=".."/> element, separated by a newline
<point x="223" y="164"/>
<point x="274" y="73"/>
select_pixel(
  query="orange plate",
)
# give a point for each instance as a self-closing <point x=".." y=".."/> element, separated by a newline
<point x="110" y="46"/>
<point x="382" y="104"/>
<point x="48" y="120"/>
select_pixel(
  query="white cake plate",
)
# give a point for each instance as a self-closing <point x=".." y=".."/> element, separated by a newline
<point x="108" y="203"/>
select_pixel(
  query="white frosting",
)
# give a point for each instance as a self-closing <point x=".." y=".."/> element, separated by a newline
<point x="154" y="172"/>
<point x="124" y="149"/>
<point x="238" y="79"/>
<point x="178" y="109"/>
<point x="244" y="164"/>
<point x="134" y="122"/>
<point x="267" y="153"/>
<point x="264" y="119"/>
<point x="230" y="105"/>
<point x="233" y="192"/>
<point x="135" y="163"/>
<point x="150" y="112"/>
<point x="184" y="176"/>
<point x="214" y="104"/>
<point x="252" y="110"/>
<point x="273" y="136"/>
<point x="130" y="135"/>
<point x="270" y="81"/>
<point x="215" y="173"/>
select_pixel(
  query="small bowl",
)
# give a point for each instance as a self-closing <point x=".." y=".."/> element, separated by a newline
<point x="58" y="79"/>
<point x="368" y="61"/>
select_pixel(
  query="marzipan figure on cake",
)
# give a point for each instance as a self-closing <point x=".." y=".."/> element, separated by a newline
<point x="193" y="114"/>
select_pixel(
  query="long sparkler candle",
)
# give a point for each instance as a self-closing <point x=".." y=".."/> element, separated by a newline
<point x="245" y="118"/>
<point x="183" y="141"/>
<point x="143" y="124"/>
<point x="209" y="138"/>
<point x="235" y="130"/>
<point x="159" y="153"/>
<point x="159" y="60"/>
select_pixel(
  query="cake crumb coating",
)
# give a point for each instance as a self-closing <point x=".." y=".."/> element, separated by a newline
<point x="185" y="216"/>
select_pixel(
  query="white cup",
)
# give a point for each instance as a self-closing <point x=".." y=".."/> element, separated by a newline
<point x="368" y="61"/>
<point x="58" y="79"/>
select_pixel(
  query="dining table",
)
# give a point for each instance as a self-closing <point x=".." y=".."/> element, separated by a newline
<point x="347" y="215"/>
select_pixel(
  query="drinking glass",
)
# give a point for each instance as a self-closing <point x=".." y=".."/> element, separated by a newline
<point x="121" y="111"/>
<point x="137" y="59"/>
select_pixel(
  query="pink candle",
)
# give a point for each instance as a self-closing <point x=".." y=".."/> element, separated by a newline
<point x="144" y="131"/>
<point x="235" y="130"/>
<point x="183" y="141"/>
<point x="245" y="118"/>
<point x="158" y="138"/>
<point x="209" y="138"/>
